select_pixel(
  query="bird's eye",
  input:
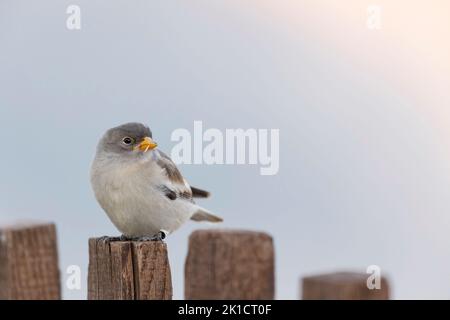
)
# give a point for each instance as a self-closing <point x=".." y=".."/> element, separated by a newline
<point x="127" y="141"/>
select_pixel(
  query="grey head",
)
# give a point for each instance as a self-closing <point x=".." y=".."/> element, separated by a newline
<point x="128" y="139"/>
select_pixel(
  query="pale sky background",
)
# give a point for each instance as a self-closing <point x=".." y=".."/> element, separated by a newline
<point x="363" y="114"/>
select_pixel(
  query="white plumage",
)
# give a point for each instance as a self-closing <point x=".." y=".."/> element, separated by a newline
<point x="130" y="186"/>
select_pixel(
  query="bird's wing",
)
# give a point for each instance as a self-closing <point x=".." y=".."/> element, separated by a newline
<point x="181" y="189"/>
<point x="177" y="186"/>
<point x="175" y="177"/>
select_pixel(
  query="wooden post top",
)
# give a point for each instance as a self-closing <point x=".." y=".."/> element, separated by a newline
<point x="29" y="261"/>
<point x="343" y="286"/>
<point x="342" y="277"/>
<point x="128" y="270"/>
<point x="230" y="264"/>
<point x="230" y="233"/>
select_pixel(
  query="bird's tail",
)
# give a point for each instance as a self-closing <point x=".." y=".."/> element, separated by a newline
<point x="204" y="215"/>
<point x="199" y="193"/>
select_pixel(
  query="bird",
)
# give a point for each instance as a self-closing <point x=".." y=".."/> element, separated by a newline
<point x="140" y="188"/>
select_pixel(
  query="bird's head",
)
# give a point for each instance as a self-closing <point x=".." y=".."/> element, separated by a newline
<point x="131" y="139"/>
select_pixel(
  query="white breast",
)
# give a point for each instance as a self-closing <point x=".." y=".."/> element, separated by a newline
<point x="128" y="192"/>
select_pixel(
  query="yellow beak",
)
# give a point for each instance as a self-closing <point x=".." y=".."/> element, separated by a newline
<point x="146" y="144"/>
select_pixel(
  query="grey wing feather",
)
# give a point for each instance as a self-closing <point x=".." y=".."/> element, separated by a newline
<point x="183" y="190"/>
<point x="171" y="168"/>
<point x="175" y="194"/>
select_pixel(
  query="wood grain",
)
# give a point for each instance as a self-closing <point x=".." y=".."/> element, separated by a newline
<point x="342" y="286"/>
<point x="229" y="264"/>
<point x="29" y="262"/>
<point x="128" y="270"/>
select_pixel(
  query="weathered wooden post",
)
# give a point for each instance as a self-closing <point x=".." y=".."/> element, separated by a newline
<point x="128" y="270"/>
<point x="29" y="262"/>
<point x="229" y="264"/>
<point x="342" y="286"/>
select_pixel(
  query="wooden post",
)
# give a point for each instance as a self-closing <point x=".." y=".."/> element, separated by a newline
<point x="229" y="265"/>
<point x="342" y="286"/>
<point x="128" y="270"/>
<point x="29" y="262"/>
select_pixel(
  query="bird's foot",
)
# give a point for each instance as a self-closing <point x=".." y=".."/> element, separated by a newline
<point x="121" y="238"/>
<point x="110" y="239"/>
<point x="160" y="236"/>
<point x="126" y="238"/>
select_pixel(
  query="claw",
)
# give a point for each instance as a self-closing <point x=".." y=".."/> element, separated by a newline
<point x="161" y="235"/>
<point x="124" y="238"/>
<point x="109" y="239"/>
